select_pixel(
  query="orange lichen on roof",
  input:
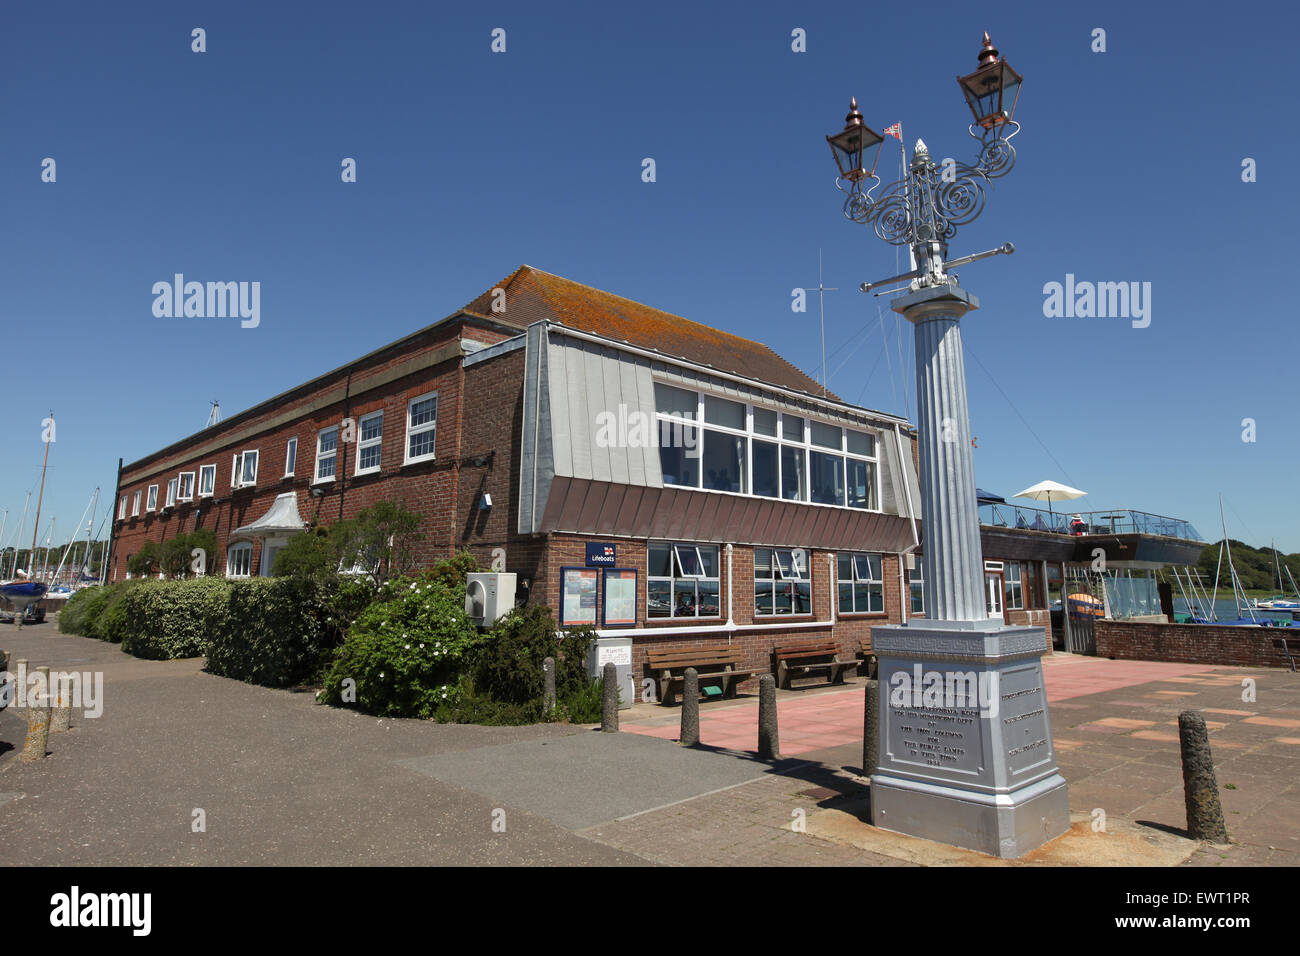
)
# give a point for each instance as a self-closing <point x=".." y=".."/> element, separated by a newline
<point x="531" y="295"/>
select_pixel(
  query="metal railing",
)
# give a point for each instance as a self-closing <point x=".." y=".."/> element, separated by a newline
<point x="1116" y="521"/>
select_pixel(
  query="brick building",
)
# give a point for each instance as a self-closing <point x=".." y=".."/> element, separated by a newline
<point x="547" y="417"/>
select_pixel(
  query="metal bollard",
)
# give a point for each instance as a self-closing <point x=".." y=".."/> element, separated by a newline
<point x="690" y="735"/>
<point x="1200" y="786"/>
<point x="769" y="738"/>
<point x="548" y="682"/>
<point x="609" y="700"/>
<point x="871" y="728"/>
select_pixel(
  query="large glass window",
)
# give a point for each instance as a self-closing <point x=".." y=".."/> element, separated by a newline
<point x="327" y="453"/>
<point x="239" y="560"/>
<point x="421" y="427"/>
<point x="861" y="583"/>
<point x="916" y="584"/>
<point x="682" y="580"/>
<point x="827" y="474"/>
<point x="171" y="491"/>
<point x="718" y="444"/>
<point x="135" y="505"/>
<point x="370" y="439"/>
<point x="186" y="492"/>
<point x="207" y="481"/>
<point x="1014" y="587"/>
<point x="781" y="582"/>
<point x="724" y="462"/>
<point x="248" y="469"/>
<point x="151" y="500"/>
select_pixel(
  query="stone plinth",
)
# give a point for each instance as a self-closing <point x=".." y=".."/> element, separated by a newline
<point x="966" y="754"/>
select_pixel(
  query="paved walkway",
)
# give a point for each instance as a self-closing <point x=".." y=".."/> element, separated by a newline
<point x="282" y="780"/>
<point x="810" y="720"/>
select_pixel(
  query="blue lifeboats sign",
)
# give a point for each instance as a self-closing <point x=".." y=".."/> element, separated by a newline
<point x="600" y="555"/>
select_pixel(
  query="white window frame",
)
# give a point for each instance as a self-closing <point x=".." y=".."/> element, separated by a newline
<point x="856" y="577"/>
<point x="915" y="577"/>
<point x="185" y="490"/>
<point x="173" y="485"/>
<point x="135" y="505"/>
<point x="290" y="457"/>
<point x="151" y="499"/>
<point x="677" y="574"/>
<point x="242" y="547"/>
<point x="420" y="430"/>
<point x="367" y="443"/>
<point x="210" y="473"/>
<point x="244" y="481"/>
<point x="316" y="478"/>
<point x="779" y="576"/>
<point x="121" y="509"/>
<point x="803" y="447"/>
<point x="1013" y="586"/>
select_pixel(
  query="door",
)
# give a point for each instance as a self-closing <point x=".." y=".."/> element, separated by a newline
<point x="993" y="595"/>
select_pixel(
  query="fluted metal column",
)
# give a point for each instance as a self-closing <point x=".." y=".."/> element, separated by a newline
<point x="952" y="560"/>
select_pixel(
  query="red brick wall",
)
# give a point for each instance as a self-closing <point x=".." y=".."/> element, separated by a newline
<point x="756" y="646"/>
<point x="1191" y="643"/>
<point x="429" y="487"/>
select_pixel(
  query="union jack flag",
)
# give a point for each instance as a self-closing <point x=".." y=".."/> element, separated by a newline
<point x="895" y="131"/>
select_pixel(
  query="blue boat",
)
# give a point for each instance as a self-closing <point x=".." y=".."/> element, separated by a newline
<point x="26" y="591"/>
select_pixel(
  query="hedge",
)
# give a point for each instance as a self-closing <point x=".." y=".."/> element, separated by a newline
<point x="173" y="619"/>
<point x="281" y="632"/>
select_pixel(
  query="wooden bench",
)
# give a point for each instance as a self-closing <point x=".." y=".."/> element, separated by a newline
<point x="1290" y="647"/>
<point x="869" y="657"/>
<point x="810" y="657"/>
<point x="719" y="664"/>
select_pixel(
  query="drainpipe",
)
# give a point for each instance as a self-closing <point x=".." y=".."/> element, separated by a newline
<point x="343" y="471"/>
<point x="731" y="620"/>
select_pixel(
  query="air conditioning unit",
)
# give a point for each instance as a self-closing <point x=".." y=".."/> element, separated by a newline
<point x="489" y="597"/>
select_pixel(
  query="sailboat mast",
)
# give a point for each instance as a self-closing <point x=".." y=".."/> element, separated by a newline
<point x="41" y="497"/>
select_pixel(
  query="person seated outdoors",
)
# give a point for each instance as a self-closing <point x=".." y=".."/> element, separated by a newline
<point x="1078" y="526"/>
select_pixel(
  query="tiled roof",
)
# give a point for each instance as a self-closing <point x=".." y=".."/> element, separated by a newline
<point x="532" y="295"/>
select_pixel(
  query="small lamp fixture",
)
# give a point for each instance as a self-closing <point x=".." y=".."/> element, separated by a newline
<point x="992" y="90"/>
<point x="485" y="503"/>
<point x="854" y="145"/>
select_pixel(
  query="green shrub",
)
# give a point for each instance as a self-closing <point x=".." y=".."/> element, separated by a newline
<point x="308" y="554"/>
<point x="509" y="665"/>
<point x="146" y="561"/>
<point x="73" y="617"/>
<point x="111" y="623"/>
<point x="173" y="619"/>
<point x="582" y="704"/>
<point x="277" y="632"/>
<point x="405" y="654"/>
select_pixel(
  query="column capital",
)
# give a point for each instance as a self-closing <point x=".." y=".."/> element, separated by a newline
<point x="936" y="300"/>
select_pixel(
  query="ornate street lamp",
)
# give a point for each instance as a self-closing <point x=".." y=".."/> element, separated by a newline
<point x="990" y="88"/>
<point x="975" y="773"/>
<point x="853" y="145"/>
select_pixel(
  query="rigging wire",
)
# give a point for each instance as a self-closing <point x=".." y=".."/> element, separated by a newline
<point x="966" y="348"/>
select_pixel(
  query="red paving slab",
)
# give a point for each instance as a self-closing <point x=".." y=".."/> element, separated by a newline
<point x="835" y="719"/>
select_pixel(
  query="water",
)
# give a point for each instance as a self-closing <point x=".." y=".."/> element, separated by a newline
<point x="1226" y="609"/>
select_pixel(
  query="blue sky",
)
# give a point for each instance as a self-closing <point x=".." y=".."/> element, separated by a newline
<point x="225" y="166"/>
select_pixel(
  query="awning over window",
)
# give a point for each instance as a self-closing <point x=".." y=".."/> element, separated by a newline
<point x="281" y="518"/>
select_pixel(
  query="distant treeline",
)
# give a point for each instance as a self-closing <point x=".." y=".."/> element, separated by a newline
<point x="1255" y="566"/>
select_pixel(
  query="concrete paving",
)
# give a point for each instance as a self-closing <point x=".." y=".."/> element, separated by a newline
<point x="282" y="780"/>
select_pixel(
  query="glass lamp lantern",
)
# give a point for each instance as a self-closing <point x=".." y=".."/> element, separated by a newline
<point x="992" y="90"/>
<point x="854" y="146"/>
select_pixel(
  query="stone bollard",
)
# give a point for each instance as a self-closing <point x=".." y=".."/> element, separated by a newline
<point x="769" y="738"/>
<point x="38" y="722"/>
<point x="1200" y="786"/>
<point x="609" y="702"/>
<point x="548" y="682"/>
<point x="871" y="728"/>
<point x="61" y="716"/>
<point x="690" y="736"/>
